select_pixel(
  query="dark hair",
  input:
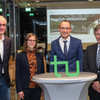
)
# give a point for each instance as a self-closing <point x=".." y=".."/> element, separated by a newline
<point x="96" y="28"/>
<point x="65" y="21"/>
<point x="25" y="41"/>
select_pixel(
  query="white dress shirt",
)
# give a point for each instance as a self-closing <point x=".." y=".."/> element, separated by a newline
<point x="98" y="47"/>
<point x="62" y="43"/>
<point x="2" y="50"/>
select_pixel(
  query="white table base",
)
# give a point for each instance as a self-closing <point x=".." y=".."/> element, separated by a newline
<point x="65" y="88"/>
<point x="72" y="91"/>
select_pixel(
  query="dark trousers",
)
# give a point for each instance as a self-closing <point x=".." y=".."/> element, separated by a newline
<point x="4" y="90"/>
<point x="93" y="95"/>
<point x="94" y="98"/>
<point x="32" y="93"/>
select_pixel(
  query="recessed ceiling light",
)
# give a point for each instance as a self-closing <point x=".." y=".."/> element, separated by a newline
<point x="90" y="0"/>
<point x="28" y="4"/>
<point x="37" y="1"/>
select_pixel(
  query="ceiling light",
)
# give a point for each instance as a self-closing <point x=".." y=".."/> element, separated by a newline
<point x="28" y="4"/>
<point x="90" y="0"/>
<point x="37" y="1"/>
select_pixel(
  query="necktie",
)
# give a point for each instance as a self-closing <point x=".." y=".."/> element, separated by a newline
<point x="65" y="48"/>
<point x="98" y="58"/>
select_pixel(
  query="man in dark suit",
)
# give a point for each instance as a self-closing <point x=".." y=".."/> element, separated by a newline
<point x="92" y="64"/>
<point x="66" y="48"/>
<point x="5" y="46"/>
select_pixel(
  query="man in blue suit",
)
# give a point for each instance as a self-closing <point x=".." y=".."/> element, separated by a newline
<point x="71" y="52"/>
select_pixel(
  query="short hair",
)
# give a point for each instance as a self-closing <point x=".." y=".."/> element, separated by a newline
<point x="25" y="42"/>
<point x="96" y="28"/>
<point x="65" y="21"/>
<point x="1" y="17"/>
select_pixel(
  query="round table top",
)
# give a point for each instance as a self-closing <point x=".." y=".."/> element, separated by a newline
<point x="51" y="78"/>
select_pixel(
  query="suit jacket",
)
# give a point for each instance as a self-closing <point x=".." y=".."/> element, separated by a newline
<point x="6" y="56"/>
<point x="89" y="65"/>
<point x="74" y="53"/>
<point x="23" y="71"/>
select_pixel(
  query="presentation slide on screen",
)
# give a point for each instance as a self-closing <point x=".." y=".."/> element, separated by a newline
<point x="82" y="21"/>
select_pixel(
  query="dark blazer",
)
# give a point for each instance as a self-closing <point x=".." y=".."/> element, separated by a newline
<point x="23" y="72"/>
<point x="75" y="52"/>
<point x="6" y="56"/>
<point x="89" y="65"/>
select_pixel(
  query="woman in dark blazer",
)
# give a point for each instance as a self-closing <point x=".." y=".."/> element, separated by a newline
<point x="28" y="63"/>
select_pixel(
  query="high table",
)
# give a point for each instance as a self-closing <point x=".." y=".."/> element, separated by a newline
<point x="65" y="88"/>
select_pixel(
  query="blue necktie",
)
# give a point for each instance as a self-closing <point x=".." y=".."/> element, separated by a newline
<point x="98" y="58"/>
<point x="65" y="48"/>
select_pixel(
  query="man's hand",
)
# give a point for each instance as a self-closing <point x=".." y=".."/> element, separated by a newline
<point x="96" y="86"/>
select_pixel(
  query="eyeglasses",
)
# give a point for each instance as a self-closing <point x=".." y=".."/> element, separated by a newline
<point x="2" y="25"/>
<point x="32" y="40"/>
<point x="97" y="34"/>
<point x="63" y="28"/>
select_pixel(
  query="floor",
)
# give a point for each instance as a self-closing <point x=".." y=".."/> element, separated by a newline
<point x="14" y="94"/>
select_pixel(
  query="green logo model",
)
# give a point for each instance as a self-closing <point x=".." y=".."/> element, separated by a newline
<point x="55" y="63"/>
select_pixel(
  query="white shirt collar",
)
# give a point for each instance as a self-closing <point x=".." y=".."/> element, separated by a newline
<point x="98" y="46"/>
<point x="68" y="39"/>
<point x="2" y="38"/>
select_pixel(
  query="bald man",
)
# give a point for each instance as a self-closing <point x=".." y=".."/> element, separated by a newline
<point x="5" y="45"/>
